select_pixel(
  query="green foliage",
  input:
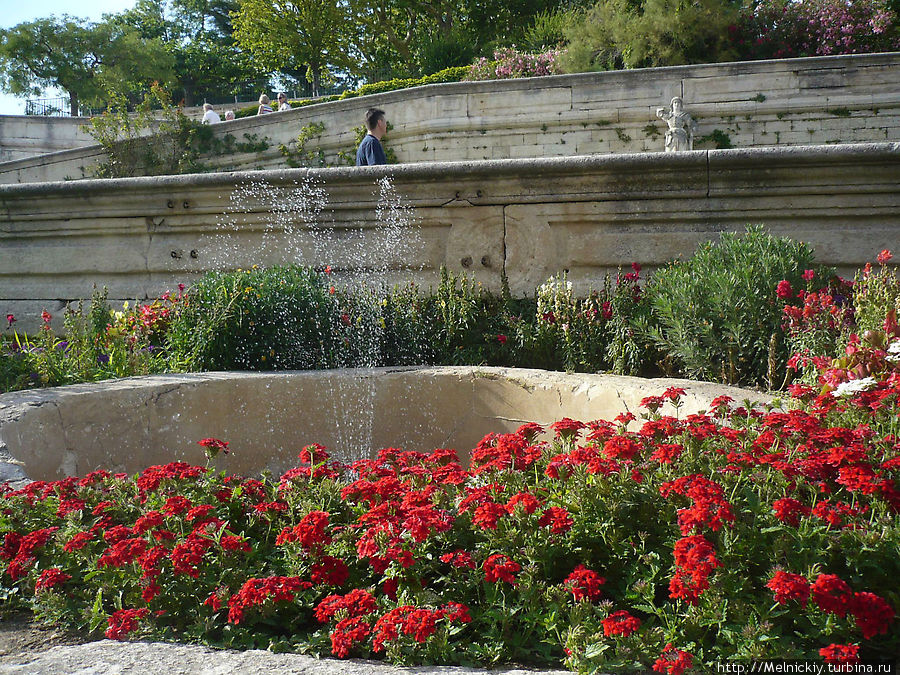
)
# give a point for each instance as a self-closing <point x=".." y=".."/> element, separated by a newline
<point x="721" y="140"/>
<point x="547" y="31"/>
<point x="149" y="142"/>
<point x="716" y="313"/>
<point x="197" y="35"/>
<point x="455" y="74"/>
<point x="441" y="52"/>
<point x="296" y="154"/>
<point x="277" y="318"/>
<point x="302" y="35"/>
<point x="876" y="295"/>
<point x="642" y="33"/>
<point x="98" y="344"/>
<point x="84" y="59"/>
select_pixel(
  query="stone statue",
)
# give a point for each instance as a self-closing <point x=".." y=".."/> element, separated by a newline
<point x="680" y="134"/>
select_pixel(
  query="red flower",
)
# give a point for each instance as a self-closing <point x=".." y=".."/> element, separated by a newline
<point x="45" y="317"/>
<point x="123" y="622"/>
<point x="787" y="586"/>
<point x="502" y="339"/>
<point x="487" y="515"/>
<point x="840" y="654"/>
<point x="51" y="577"/>
<point x="620" y="623"/>
<point x="872" y="613"/>
<point x="808" y="275"/>
<point x="567" y="428"/>
<point x="673" y="661"/>
<point x="78" y="541"/>
<point x="347" y="634"/>
<point x="789" y="510"/>
<point x="10" y="320"/>
<point x="459" y="558"/>
<point x="784" y="290"/>
<point x="527" y="501"/>
<point x="831" y="594"/>
<point x="557" y="519"/>
<point x="213" y="446"/>
<point x="621" y="447"/>
<point x="176" y="505"/>
<point x="499" y="567"/>
<point x="330" y="571"/>
<point x="584" y="584"/>
<point x="883" y="257"/>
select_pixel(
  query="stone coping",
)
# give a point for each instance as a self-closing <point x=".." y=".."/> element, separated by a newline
<point x="129" y="424"/>
<point x="849" y="152"/>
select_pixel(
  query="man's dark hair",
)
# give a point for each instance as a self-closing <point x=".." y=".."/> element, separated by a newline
<point x="373" y="115"/>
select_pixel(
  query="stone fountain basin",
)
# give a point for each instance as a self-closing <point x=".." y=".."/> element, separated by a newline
<point x="129" y="424"/>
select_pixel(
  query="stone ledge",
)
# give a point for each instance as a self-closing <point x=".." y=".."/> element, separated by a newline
<point x="129" y="424"/>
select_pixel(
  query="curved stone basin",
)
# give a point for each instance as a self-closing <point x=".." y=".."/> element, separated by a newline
<point x="129" y="424"/>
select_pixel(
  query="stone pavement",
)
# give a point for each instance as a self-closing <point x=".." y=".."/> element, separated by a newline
<point x="107" y="657"/>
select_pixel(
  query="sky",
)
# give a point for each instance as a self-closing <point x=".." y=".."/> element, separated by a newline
<point x="14" y="12"/>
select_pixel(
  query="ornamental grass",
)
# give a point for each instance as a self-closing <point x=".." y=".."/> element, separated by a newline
<point x="665" y="542"/>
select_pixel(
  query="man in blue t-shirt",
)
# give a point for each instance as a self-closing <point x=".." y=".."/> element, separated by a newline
<point x="370" y="151"/>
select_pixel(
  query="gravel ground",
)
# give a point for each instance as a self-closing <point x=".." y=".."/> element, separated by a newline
<point x="28" y="649"/>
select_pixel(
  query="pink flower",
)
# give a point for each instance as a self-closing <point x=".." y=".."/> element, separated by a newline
<point x="884" y="257"/>
<point x="809" y="275"/>
<point x="784" y="289"/>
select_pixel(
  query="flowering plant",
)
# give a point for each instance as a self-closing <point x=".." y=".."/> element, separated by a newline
<point x="511" y="63"/>
<point x="784" y="29"/>
<point x="666" y="542"/>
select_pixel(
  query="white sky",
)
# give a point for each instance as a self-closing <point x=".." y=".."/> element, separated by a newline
<point x="13" y="12"/>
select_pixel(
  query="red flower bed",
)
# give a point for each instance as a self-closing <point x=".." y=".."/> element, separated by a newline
<point x="667" y="541"/>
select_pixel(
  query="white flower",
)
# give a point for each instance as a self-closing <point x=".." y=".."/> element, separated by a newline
<point x="893" y="352"/>
<point x="853" y="386"/>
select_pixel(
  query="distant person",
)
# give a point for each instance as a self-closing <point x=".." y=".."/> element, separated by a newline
<point x="282" y="102"/>
<point x="229" y="115"/>
<point x="264" y="106"/>
<point x="370" y="151"/>
<point x="210" y="116"/>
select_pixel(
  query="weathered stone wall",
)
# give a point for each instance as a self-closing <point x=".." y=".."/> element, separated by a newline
<point x="825" y="100"/>
<point x="526" y="218"/>
<point x="127" y="425"/>
<point x="24" y="136"/>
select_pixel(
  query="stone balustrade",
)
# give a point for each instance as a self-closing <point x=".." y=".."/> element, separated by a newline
<point x="525" y="218"/>
<point x="781" y="103"/>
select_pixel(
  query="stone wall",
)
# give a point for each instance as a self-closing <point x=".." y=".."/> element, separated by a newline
<point x="25" y="136"/>
<point x="812" y="101"/>
<point x="526" y="218"/>
<point x="127" y="425"/>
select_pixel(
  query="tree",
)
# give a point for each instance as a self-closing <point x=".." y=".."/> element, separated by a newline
<point x="198" y="36"/>
<point x="292" y="34"/>
<point x="82" y="58"/>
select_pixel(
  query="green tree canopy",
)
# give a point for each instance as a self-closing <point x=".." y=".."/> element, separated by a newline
<point x="296" y="34"/>
<point x="197" y="34"/>
<point x="82" y="58"/>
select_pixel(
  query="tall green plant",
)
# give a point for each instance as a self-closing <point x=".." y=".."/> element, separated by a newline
<point x="156" y="139"/>
<point x="716" y="313"/>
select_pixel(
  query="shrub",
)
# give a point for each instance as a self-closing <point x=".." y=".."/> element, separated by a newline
<point x="510" y="63"/>
<point x="260" y="319"/>
<point x="98" y="344"/>
<point x="173" y="147"/>
<point x="695" y="540"/>
<point x="782" y="29"/>
<point x="624" y="34"/>
<point x="716" y="313"/>
<point x="453" y="74"/>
